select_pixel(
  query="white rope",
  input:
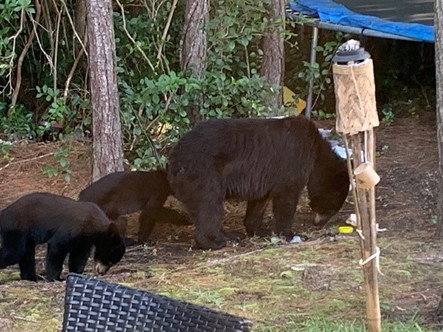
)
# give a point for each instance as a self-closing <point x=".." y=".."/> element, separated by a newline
<point x="360" y="232"/>
<point x="375" y="256"/>
<point x="380" y="229"/>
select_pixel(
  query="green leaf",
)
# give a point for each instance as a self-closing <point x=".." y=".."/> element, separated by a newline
<point x="64" y="162"/>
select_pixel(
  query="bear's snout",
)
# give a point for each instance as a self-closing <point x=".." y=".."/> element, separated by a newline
<point x="101" y="268"/>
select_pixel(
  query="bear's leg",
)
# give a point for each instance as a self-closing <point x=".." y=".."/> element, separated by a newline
<point x="284" y="207"/>
<point x="254" y="217"/>
<point x="13" y="248"/>
<point x="149" y="215"/>
<point x="27" y="263"/>
<point x="54" y="261"/>
<point x="146" y="223"/>
<point x="78" y="257"/>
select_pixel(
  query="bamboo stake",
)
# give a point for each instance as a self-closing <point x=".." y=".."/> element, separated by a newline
<point x="366" y="222"/>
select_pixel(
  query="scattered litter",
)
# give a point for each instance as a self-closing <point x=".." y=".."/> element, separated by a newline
<point x="335" y="141"/>
<point x="380" y="229"/>
<point x="345" y="229"/>
<point x="341" y="151"/>
<point x="295" y="239"/>
<point x="352" y="220"/>
<point x="290" y="100"/>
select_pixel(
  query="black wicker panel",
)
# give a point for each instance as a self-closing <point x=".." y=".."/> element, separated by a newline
<point x="95" y="305"/>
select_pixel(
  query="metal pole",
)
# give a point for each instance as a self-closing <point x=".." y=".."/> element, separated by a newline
<point x="312" y="61"/>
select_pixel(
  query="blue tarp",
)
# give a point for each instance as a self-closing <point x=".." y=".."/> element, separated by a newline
<point x="335" y="13"/>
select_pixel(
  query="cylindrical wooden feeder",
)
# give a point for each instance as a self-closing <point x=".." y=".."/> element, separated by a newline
<point x="356" y="116"/>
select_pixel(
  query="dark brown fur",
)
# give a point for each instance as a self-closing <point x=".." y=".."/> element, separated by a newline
<point x="67" y="226"/>
<point x="121" y="193"/>
<point x="255" y="160"/>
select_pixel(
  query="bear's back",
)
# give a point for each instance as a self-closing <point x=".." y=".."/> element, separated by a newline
<point x="126" y="191"/>
<point x="252" y="156"/>
<point x="51" y="212"/>
<point x="235" y="136"/>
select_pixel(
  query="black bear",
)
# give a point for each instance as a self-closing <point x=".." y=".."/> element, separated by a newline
<point x="255" y="160"/>
<point x="120" y="193"/>
<point x="67" y="226"/>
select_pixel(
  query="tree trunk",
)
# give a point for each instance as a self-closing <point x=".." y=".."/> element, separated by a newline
<point x="107" y="141"/>
<point x="194" y="44"/>
<point x="439" y="92"/>
<point x="273" y="66"/>
<point x="194" y="38"/>
<point x="80" y="14"/>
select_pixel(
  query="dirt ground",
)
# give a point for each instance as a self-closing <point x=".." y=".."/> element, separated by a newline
<point x="405" y="200"/>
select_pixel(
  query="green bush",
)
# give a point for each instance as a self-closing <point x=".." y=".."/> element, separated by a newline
<point x="157" y="99"/>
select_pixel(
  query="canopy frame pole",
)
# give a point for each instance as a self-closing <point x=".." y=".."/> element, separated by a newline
<point x="313" y="59"/>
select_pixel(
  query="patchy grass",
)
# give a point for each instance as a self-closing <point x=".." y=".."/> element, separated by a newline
<point x="313" y="286"/>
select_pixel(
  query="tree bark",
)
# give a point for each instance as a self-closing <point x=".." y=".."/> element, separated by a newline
<point x="80" y="14"/>
<point x="194" y="45"/>
<point x="194" y="42"/>
<point x="107" y="141"/>
<point x="273" y="66"/>
<point x="439" y="91"/>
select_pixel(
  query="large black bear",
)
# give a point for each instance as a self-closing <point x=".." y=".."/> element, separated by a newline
<point x="255" y="160"/>
<point x="126" y="192"/>
<point x="67" y="226"/>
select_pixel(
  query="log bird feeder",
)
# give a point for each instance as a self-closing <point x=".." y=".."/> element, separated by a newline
<point x="356" y="116"/>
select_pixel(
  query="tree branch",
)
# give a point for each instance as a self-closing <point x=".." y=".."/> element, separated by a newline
<point x="132" y="39"/>
<point x="165" y="31"/>
<point x="14" y="41"/>
<point x="23" y="54"/>
<point x="74" y="29"/>
<point x="71" y="73"/>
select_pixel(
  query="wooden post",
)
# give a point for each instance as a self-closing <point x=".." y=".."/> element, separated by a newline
<point x="356" y="117"/>
<point x="366" y="222"/>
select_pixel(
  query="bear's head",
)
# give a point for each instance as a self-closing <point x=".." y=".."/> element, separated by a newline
<point x="109" y="249"/>
<point x="327" y="192"/>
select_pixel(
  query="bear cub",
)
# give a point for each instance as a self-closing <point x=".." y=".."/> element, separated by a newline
<point x="121" y="193"/>
<point x="67" y="226"/>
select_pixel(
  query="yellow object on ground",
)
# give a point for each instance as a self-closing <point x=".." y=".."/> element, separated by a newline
<point x="290" y="98"/>
<point x="345" y="229"/>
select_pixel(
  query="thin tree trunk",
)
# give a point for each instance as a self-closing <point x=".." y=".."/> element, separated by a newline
<point x="439" y="92"/>
<point x="107" y="141"/>
<point x="194" y="44"/>
<point x="80" y="18"/>
<point x="273" y="66"/>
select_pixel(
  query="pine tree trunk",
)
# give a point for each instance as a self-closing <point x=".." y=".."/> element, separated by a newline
<point x="107" y="141"/>
<point x="194" y="38"/>
<point x="273" y="66"/>
<point x="439" y="92"/>
<point x="194" y="45"/>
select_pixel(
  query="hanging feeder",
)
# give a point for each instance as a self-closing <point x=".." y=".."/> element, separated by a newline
<point x="354" y="89"/>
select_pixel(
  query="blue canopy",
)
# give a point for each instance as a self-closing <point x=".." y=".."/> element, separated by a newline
<point x="397" y="19"/>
